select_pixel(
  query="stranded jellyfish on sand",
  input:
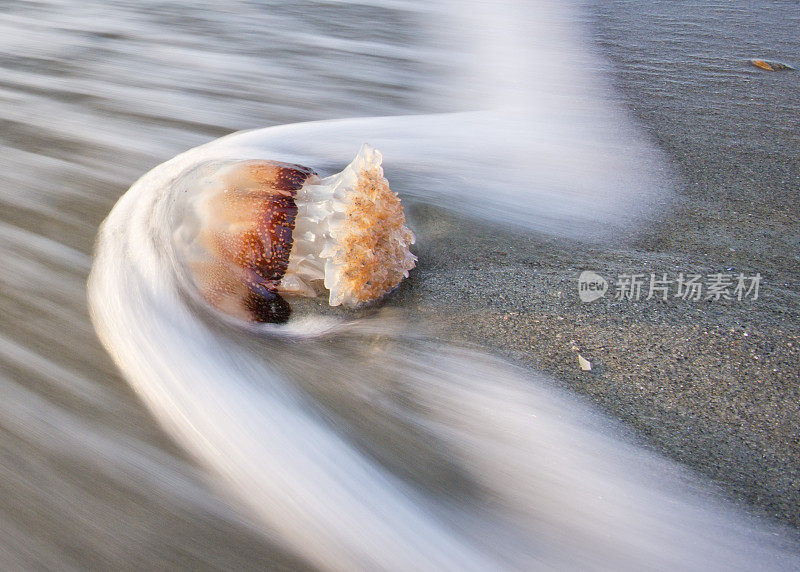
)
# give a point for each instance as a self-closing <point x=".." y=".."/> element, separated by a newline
<point x="252" y="230"/>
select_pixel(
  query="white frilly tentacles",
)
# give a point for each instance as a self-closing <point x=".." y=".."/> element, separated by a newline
<point x="350" y="234"/>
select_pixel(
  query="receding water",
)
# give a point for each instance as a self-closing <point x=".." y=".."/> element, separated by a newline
<point x="343" y="441"/>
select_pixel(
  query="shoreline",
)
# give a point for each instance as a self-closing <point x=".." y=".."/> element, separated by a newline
<point x="697" y="381"/>
<point x="712" y="385"/>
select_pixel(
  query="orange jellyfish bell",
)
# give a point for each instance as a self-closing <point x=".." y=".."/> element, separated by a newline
<point x="255" y="229"/>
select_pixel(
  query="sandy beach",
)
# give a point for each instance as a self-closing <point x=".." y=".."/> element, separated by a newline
<point x="91" y="100"/>
<point x="711" y="383"/>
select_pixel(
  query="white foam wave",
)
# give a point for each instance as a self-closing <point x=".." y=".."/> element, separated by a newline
<point x="387" y="451"/>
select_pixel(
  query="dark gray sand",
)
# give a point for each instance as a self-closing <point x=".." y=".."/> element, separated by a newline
<point x="86" y="111"/>
<point x="713" y="384"/>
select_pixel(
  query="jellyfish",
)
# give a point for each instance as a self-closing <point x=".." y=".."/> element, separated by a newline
<point x="251" y="231"/>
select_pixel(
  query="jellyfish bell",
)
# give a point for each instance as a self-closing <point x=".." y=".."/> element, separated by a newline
<point x="251" y="231"/>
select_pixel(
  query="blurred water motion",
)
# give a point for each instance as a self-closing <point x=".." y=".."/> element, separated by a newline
<point x="93" y="94"/>
<point x="384" y="443"/>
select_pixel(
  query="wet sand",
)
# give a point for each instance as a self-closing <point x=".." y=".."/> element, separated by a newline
<point x="713" y="384"/>
<point x="86" y="111"/>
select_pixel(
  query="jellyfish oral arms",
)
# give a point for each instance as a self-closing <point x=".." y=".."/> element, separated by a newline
<point x="249" y="231"/>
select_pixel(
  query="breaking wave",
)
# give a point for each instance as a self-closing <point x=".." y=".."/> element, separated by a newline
<point x="357" y="441"/>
